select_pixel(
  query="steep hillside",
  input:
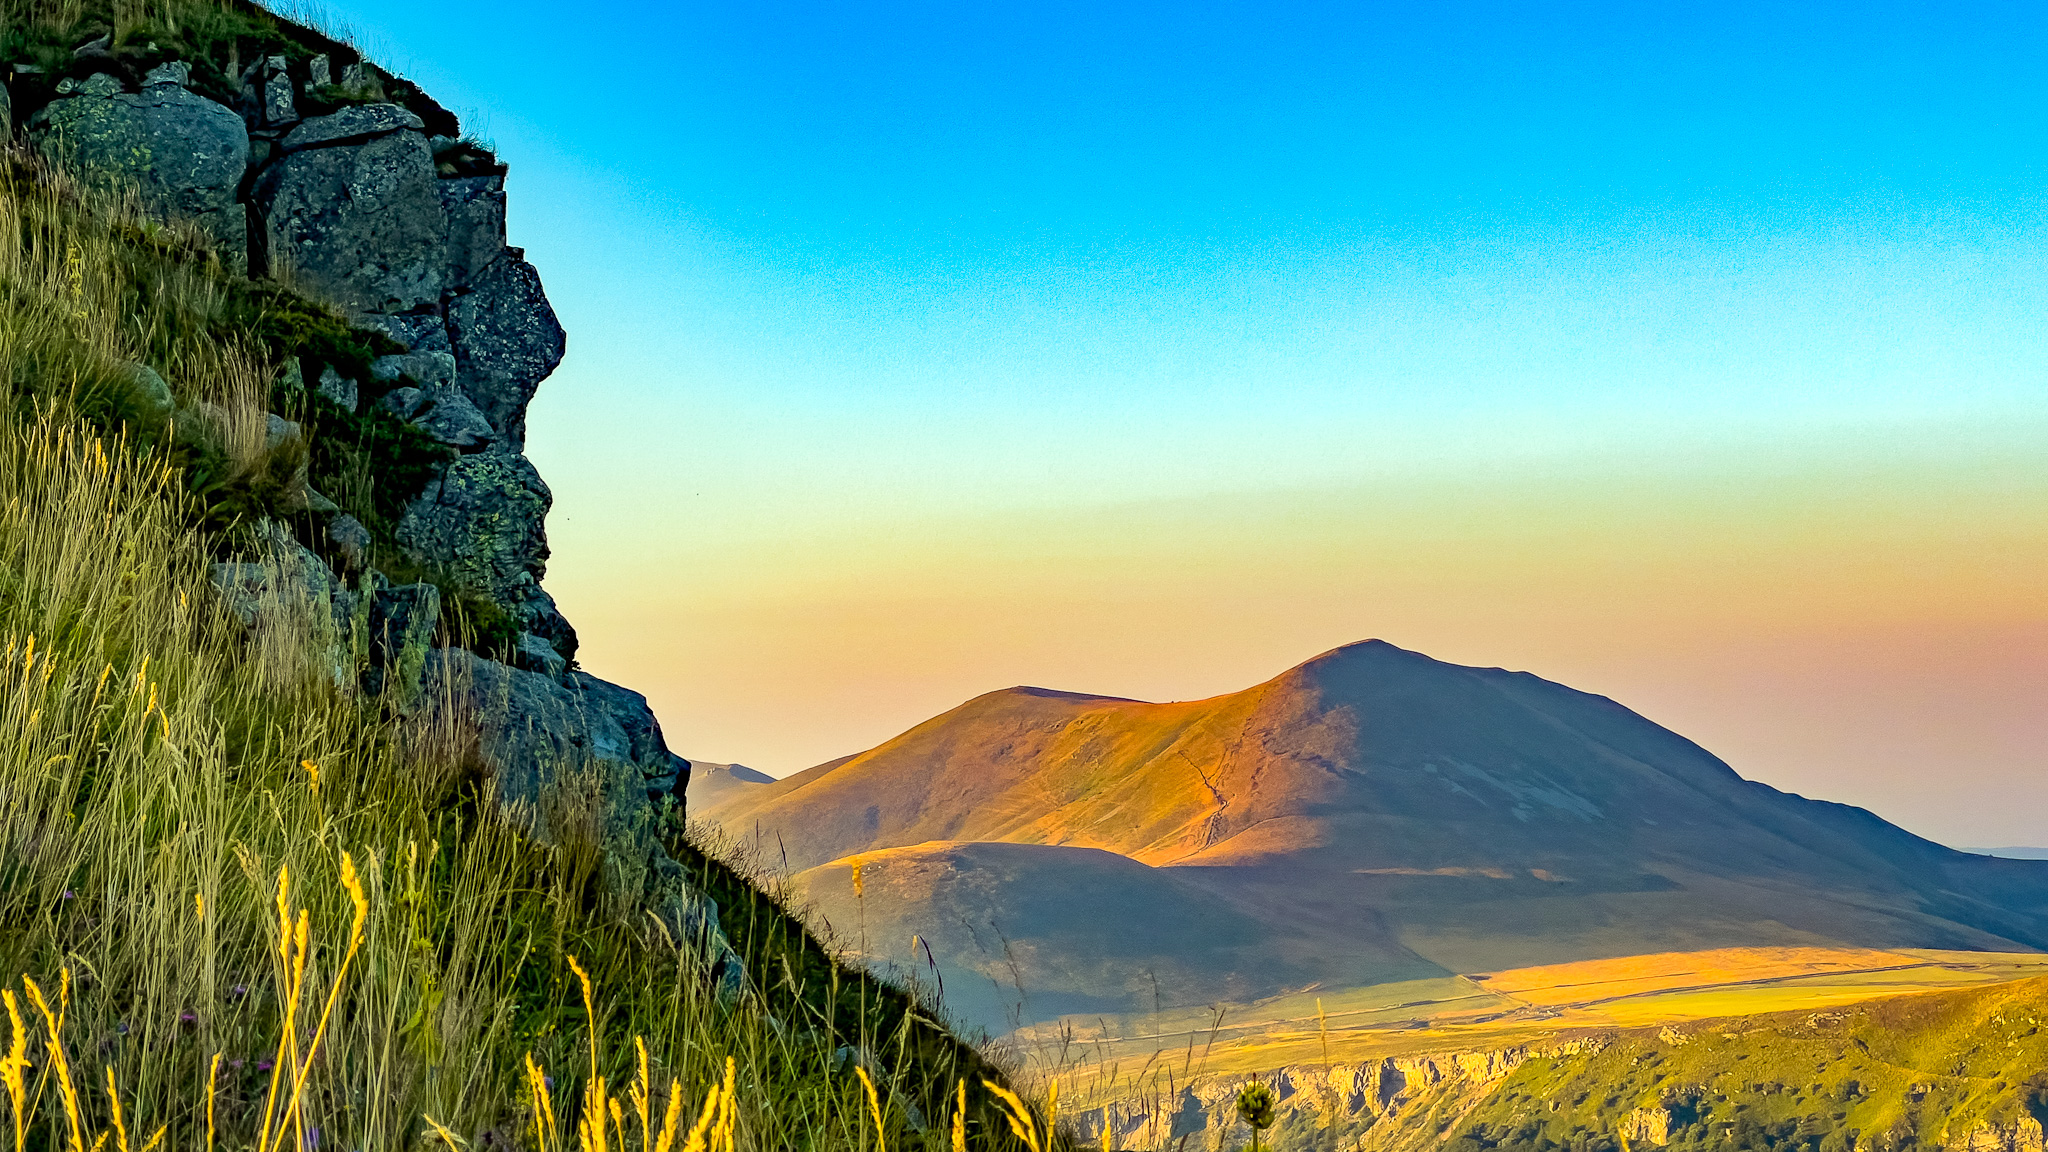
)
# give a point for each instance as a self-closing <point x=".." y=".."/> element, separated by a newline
<point x="1478" y="818"/>
<point x="310" y="829"/>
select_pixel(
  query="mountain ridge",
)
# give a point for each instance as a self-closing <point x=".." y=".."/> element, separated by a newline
<point x="1387" y="813"/>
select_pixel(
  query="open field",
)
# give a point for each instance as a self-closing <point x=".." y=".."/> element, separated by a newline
<point x="1503" y="1009"/>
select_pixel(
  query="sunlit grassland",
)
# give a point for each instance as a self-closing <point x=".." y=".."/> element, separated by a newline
<point x="198" y="826"/>
<point x="1123" y="1058"/>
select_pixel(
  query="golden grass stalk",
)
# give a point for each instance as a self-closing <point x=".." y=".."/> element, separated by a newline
<point x="543" y="1104"/>
<point x="361" y="903"/>
<point x="874" y="1107"/>
<point x="14" y="1068"/>
<point x="68" y="1090"/>
<point x="114" y="1102"/>
<point x="1018" y="1115"/>
<point x="671" y="1117"/>
<point x="212" y="1083"/>
<point x="960" y="1120"/>
<point x="449" y="1138"/>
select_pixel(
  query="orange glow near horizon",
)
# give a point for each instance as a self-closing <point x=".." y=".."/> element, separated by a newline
<point x="1871" y="629"/>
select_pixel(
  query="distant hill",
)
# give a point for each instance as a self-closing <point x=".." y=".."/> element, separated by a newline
<point x="712" y="784"/>
<point x="1384" y="813"/>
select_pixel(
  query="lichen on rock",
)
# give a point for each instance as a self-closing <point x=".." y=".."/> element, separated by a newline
<point x="184" y="154"/>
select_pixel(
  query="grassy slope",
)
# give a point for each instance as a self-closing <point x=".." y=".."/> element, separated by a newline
<point x="1899" y="1072"/>
<point x="154" y="787"/>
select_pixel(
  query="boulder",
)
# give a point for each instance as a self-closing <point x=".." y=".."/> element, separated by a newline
<point x="427" y="369"/>
<point x="352" y="125"/>
<point x="628" y="709"/>
<point x="402" y="402"/>
<point x="360" y="224"/>
<point x="476" y="224"/>
<point x="351" y="542"/>
<point x="418" y="331"/>
<point x="343" y="392"/>
<point x="183" y="153"/>
<point x="402" y="624"/>
<point x="506" y="340"/>
<point x="148" y="384"/>
<point x="448" y="416"/>
<point x="563" y="768"/>
<point x="319" y="72"/>
<point x="533" y="654"/>
<point x="278" y="431"/>
<point x="288" y="586"/>
<point x="278" y="108"/>
<point x="481" y="523"/>
<point x="175" y="72"/>
<point x="536" y="612"/>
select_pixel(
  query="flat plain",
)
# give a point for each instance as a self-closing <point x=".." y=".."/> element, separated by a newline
<point x="1487" y="1011"/>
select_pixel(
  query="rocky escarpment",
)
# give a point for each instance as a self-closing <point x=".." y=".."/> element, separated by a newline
<point x="1394" y="1103"/>
<point x="313" y="170"/>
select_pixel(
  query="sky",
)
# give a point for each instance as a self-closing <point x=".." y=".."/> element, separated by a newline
<point x="1689" y="354"/>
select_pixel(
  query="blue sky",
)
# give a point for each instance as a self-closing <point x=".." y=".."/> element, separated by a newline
<point x="853" y="287"/>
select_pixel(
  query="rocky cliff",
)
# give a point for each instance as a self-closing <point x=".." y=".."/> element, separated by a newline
<point x="1393" y="1104"/>
<point x="364" y="235"/>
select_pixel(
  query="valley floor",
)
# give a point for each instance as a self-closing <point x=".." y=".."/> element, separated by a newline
<point x="1105" y="1058"/>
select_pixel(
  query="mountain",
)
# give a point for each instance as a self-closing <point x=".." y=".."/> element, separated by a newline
<point x="714" y="784"/>
<point x="1388" y="813"/>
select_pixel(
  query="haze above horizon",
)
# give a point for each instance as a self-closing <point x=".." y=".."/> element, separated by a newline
<point x="1691" y="357"/>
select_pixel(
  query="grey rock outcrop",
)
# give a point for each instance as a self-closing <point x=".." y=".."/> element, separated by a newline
<point x="426" y="369"/>
<point x="533" y="654"/>
<point x="287" y="586"/>
<point x="449" y="417"/>
<point x="417" y="331"/>
<point x="402" y="625"/>
<point x="481" y="523"/>
<point x="356" y="124"/>
<point x="572" y="761"/>
<point x="184" y="154"/>
<point x="361" y="224"/>
<point x="333" y="386"/>
<point x="402" y="402"/>
<point x="506" y="340"/>
<point x="175" y="72"/>
<point x="476" y="224"/>
<point x="278" y="105"/>
<point x="351" y="542"/>
<point x="354" y="206"/>
<point x="148" y="384"/>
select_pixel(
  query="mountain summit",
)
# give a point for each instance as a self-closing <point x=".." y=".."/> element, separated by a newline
<point x="1393" y="813"/>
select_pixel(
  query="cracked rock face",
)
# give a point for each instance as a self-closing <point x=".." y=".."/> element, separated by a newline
<point x="360" y="224"/>
<point x="476" y="225"/>
<point x="507" y="341"/>
<point x="184" y="153"/>
<point x="481" y="523"/>
<point x="580" y="758"/>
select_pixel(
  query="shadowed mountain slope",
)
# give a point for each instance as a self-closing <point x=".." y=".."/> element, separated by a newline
<point x="1484" y="818"/>
<point x="713" y="784"/>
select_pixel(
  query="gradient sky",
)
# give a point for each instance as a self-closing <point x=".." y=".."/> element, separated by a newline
<point x="1690" y="354"/>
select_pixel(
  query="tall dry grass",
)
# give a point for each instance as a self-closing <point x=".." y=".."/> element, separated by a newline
<point x="246" y="877"/>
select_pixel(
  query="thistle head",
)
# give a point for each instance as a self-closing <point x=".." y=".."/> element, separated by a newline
<point x="1255" y="1104"/>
